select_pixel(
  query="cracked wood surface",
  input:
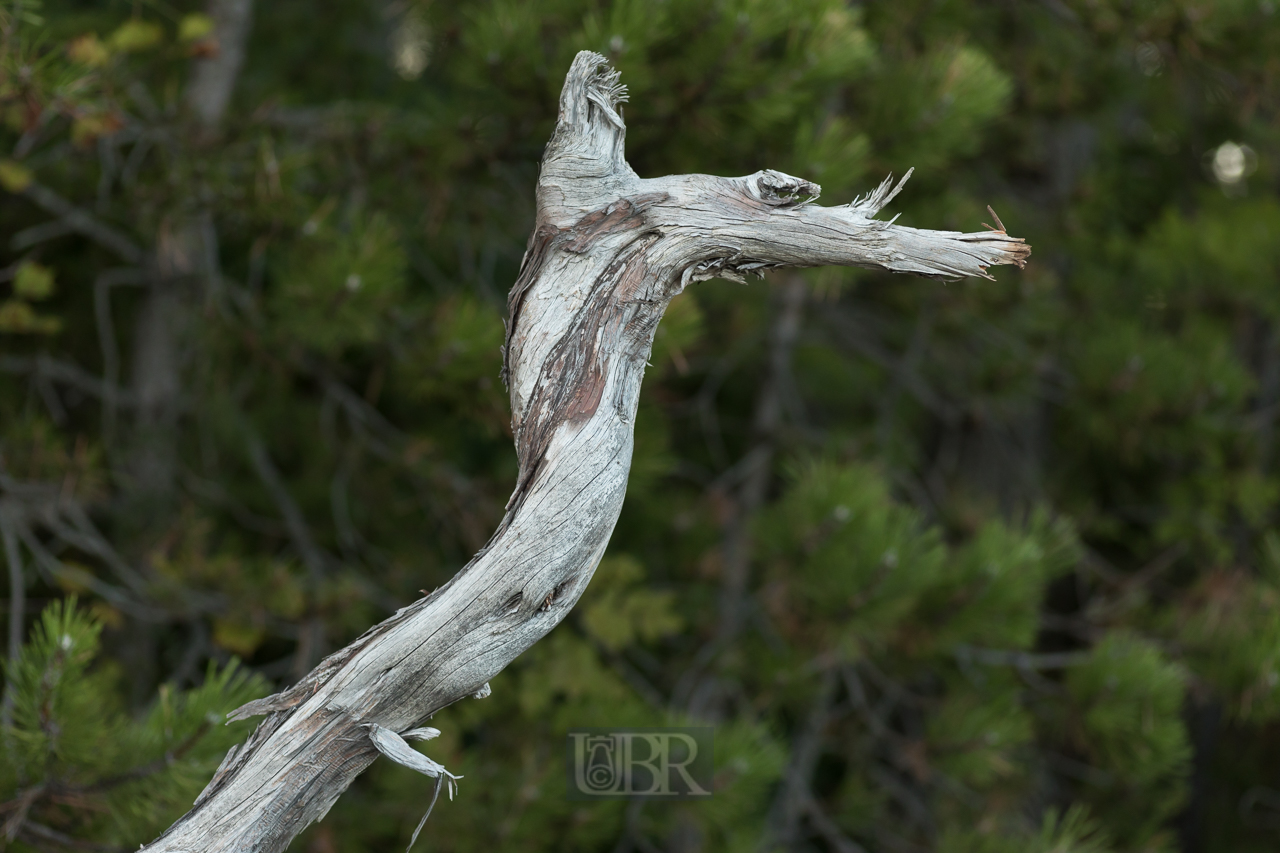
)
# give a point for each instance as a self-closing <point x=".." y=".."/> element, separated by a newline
<point x="608" y="252"/>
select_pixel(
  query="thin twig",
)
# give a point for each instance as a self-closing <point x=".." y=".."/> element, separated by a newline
<point x="85" y="223"/>
<point x="42" y="233"/>
<point x="20" y="806"/>
<point x="907" y="366"/>
<point x="996" y="217"/>
<point x="829" y="830"/>
<point x="81" y="533"/>
<point x="55" y="569"/>
<point x="795" y="792"/>
<point x="1020" y="659"/>
<point x="45" y="367"/>
<point x="858" y="335"/>
<point x="315" y="559"/>
<point x="17" y="607"/>
<point x="434" y="796"/>
<point x="107" y="340"/>
<point x="145" y="770"/>
<point x="35" y="832"/>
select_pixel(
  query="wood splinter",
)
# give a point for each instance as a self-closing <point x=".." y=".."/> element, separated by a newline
<point x="608" y="252"/>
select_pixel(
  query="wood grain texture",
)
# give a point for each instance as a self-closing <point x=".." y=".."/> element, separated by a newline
<point x="608" y="252"/>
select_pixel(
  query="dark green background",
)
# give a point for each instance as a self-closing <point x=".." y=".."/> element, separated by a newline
<point x="1013" y="570"/>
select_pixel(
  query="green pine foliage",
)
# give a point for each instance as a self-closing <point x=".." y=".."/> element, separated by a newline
<point x="1126" y="701"/>
<point x="77" y="764"/>
<point x="1013" y="575"/>
<point x="1070" y="832"/>
<point x="341" y="284"/>
<point x="958" y="623"/>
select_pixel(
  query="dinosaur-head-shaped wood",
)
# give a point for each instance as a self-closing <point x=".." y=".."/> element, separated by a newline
<point x="608" y="252"/>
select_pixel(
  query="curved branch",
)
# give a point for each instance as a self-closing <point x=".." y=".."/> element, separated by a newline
<point x="608" y="252"/>
<point x="763" y="221"/>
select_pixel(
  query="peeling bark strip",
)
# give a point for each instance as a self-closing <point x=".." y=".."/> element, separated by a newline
<point x="608" y="253"/>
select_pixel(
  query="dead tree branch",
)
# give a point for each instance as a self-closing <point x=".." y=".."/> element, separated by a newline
<point x="609" y="251"/>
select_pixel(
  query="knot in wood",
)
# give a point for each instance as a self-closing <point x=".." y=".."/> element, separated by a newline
<point x="777" y="189"/>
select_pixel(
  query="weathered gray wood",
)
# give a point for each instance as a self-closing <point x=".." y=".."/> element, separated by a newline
<point x="609" y="250"/>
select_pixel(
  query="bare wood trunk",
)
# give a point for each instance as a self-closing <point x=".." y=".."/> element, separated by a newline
<point x="608" y="252"/>
<point x="214" y="77"/>
<point x="156" y="381"/>
<point x="182" y="256"/>
<point x="706" y="690"/>
<point x="758" y="463"/>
